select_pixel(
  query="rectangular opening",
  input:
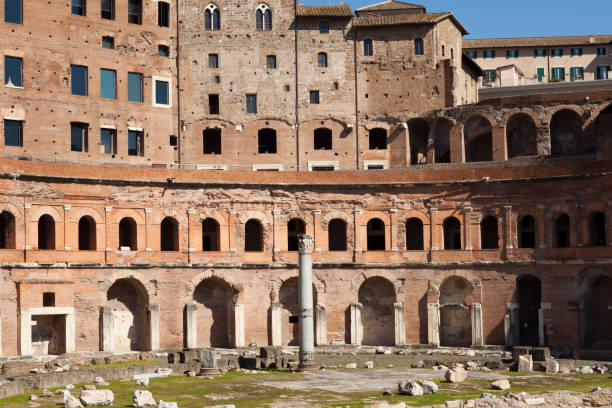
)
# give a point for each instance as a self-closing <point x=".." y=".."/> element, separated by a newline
<point x="163" y="14"/>
<point x="163" y="50"/>
<point x="135" y="87"/>
<point x="217" y="79"/>
<point x="135" y="143"/>
<point x="251" y="103"/>
<point x="48" y="299"/>
<point x="108" y="42"/>
<point x="13" y="71"/>
<point x="13" y="11"/>
<point x="213" y="60"/>
<point x="294" y="319"/>
<point x="78" y="80"/>
<point x="213" y="104"/>
<point x="108" y="141"/>
<point x="314" y="97"/>
<point x="135" y="11"/>
<point x="107" y="9"/>
<point x="173" y="140"/>
<point x="108" y="84"/>
<point x="48" y="334"/>
<point x="162" y="90"/>
<point x="78" y="7"/>
<point x="78" y="137"/>
<point x="323" y="168"/>
<point x="212" y="141"/>
<point x="13" y="133"/>
<point x="270" y="61"/>
<point x="376" y="167"/>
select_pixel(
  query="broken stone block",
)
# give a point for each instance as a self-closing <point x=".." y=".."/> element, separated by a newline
<point x="97" y="398"/>
<point x="472" y="365"/>
<point x="552" y="366"/>
<point x="72" y="402"/>
<point x="456" y="375"/>
<point x="525" y="363"/>
<point x="501" y="385"/>
<point x="585" y="370"/>
<point x="143" y="382"/>
<point x="143" y="398"/>
<point x="410" y="388"/>
<point x="454" y="404"/>
<point x="429" y="387"/>
<point x="190" y="373"/>
<point x="369" y="364"/>
<point x="208" y="358"/>
<point x="351" y="365"/>
<point x="534" y="401"/>
<point x="33" y="397"/>
<point x="164" y="404"/>
<point x="599" y="369"/>
<point x="99" y="380"/>
<point x="89" y="387"/>
<point x="69" y="387"/>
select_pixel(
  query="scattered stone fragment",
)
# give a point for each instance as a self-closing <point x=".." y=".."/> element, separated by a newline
<point x="472" y="365"/>
<point x="388" y="392"/>
<point x="454" y="404"/>
<point x="500" y="385"/>
<point x="47" y="394"/>
<point x="191" y="373"/>
<point x="223" y="406"/>
<point x="534" y="401"/>
<point x="69" y="387"/>
<point x="97" y="398"/>
<point x="351" y="365"/>
<point x="596" y="389"/>
<point x="72" y="402"/>
<point x="565" y="370"/>
<point x="369" y="364"/>
<point x="552" y="366"/>
<point x="440" y="367"/>
<point x="525" y="363"/>
<point x="410" y="388"/>
<point x="99" y="380"/>
<point x="143" y="382"/>
<point x="456" y="375"/>
<point x="143" y="398"/>
<point x="389" y="365"/>
<point x="33" y="397"/>
<point x="585" y="370"/>
<point x="63" y="364"/>
<point x="89" y="387"/>
<point x="164" y="404"/>
<point x="66" y="395"/>
<point x="598" y="368"/>
<point x="429" y="387"/>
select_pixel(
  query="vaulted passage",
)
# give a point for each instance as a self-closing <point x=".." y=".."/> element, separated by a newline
<point x="455" y="314"/>
<point x="478" y="138"/>
<point x="169" y="235"/>
<point x="322" y="139"/>
<point x="46" y="232"/>
<point x="489" y="237"/>
<point x="127" y="233"/>
<point x="529" y="297"/>
<point x="377" y="295"/>
<point x="210" y="235"/>
<point x="596" y="313"/>
<point x="253" y="236"/>
<point x="566" y="133"/>
<point x="521" y="136"/>
<point x="128" y="300"/>
<point x="7" y="230"/>
<point x="290" y="322"/>
<point x="441" y="140"/>
<point x="87" y="234"/>
<point x="418" y="131"/>
<point x="337" y="235"/>
<point x="295" y="227"/>
<point x="215" y="317"/>
<point x="452" y="233"/>
<point x="414" y="234"/>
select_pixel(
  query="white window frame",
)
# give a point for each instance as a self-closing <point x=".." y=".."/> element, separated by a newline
<point x="368" y="163"/>
<point x="212" y="7"/>
<point x="212" y="166"/>
<point x="312" y="164"/>
<point x="154" y="80"/>
<point x="257" y="167"/>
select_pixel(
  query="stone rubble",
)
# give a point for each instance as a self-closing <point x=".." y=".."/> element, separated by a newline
<point x="165" y="404"/>
<point x="552" y="366"/>
<point x="144" y="382"/>
<point x="143" y="398"/>
<point x="525" y="363"/>
<point x="501" y="385"/>
<point x="410" y="388"/>
<point x="72" y="402"/>
<point x="456" y="375"/>
<point x="429" y="387"/>
<point x="97" y="398"/>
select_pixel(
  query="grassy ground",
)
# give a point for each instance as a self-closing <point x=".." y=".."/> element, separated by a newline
<point x="246" y="391"/>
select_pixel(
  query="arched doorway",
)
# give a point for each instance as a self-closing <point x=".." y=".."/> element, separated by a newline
<point x="565" y="132"/>
<point x="455" y="313"/>
<point x="87" y="234"/>
<point x="295" y="227"/>
<point x="46" y="232"/>
<point x="215" y="313"/>
<point x="375" y="230"/>
<point x="521" y="136"/>
<point x="127" y="234"/>
<point x="418" y="131"/>
<point x="529" y="298"/>
<point x="210" y="235"/>
<point x="441" y="140"/>
<point x="452" y="233"/>
<point x="377" y="296"/>
<point x="169" y="236"/>
<point x="336" y="231"/>
<point x="128" y="300"/>
<point x="478" y="139"/>
<point x="596" y="312"/>
<point x="7" y="230"/>
<point x="290" y="321"/>
<point x="489" y="237"/>
<point x="253" y="236"/>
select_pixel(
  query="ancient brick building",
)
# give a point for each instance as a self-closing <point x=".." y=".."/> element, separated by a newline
<point x="484" y="224"/>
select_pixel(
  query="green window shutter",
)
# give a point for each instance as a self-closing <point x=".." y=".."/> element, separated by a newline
<point x="562" y="75"/>
<point x="540" y="72"/>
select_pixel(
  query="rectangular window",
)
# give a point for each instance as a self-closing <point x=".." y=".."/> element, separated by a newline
<point x="540" y="73"/>
<point x="212" y="141"/>
<point x="78" y="80"/>
<point x="213" y="104"/>
<point x="577" y="73"/>
<point x="48" y="299"/>
<point x="576" y="52"/>
<point x="602" y="72"/>
<point x="108" y="83"/>
<point x="108" y="141"/>
<point x="489" y="75"/>
<point x="78" y="137"/>
<point x="135" y="11"/>
<point x="163" y="14"/>
<point x="488" y="54"/>
<point x="162" y="92"/>
<point x="314" y="97"/>
<point x="602" y="51"/>
<point x="135" y="143"/>
<point x="472" y="54"/>
<point x="163" y="50"/>
<point x="107" y="9"/>
<point x="13" y="10"/>
<point x="512" y="53"/>
<point x="540" y="52"/>
<point x="108" y="42"/>
<point x="270" y="61"/>
<point x="558" y="74"/>
<point x="13" y="72"/>
<point x="13" y="133"/>
<point x="78" y="7"/>
<point x="213" y="60"/>
<point x="557" y="52"/>
<point x="135" y="87"/>
<point x="251" y="103"/>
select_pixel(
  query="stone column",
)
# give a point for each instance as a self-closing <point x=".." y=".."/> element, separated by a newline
<point x="25" y="332"/>
<point x="154" y="326"/>
<point x="321" y="326"/>
<point x="358" y="239"/>
<point x="70" y="332"/>
<point x="477" y="330"/>
<point x="393" y="228"/>
<point x="276" y="241"/>
<point x="467" y="228"/>
<point x="356" y="325"/>
<point x="319" y="236"/>
<point x="541" y="226"/>
<point x="435" y="230"/>
<point x="307" y="357"/>
<point x="508" y="239"/>
<point x="191" y="325"/>
<point x="541" y="337"/>
<point x="231" y="220"/>
<point x="276" y="314"/>
<point x="433" y="324"/>
<point x="107" y="329"/>
<point x="239" y="325"/>
<point x="400" y="326"/>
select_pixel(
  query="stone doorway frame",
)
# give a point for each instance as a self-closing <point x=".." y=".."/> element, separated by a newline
<point x="356" y="335"/>
<point x="107" y="328"/>
<point x="24" y="317"/>
<point x="191" y="326"/>
<point x="433" y="324"/>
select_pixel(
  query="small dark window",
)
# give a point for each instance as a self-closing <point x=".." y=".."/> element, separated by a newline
<point x="169" y="234"/>
<point x="322" y="139"/>
<point x="270" y="61"/>
<point x="597" y="229"/>
<point x="526" y="232"/>
<point x="539" y="52"/>
<point x="557" y="52"/>
<point x="378" y="139"/>
<point x="452" y="233"/>
<point x="322" y="60"/>
<point x="13" y="10"/>
<point x="213" y="60"/>
<point x="213" y="104"/>
<point x="13" y="133"/>
<point x="13" y="71"/>
<point x="108" y="141"/>
<point x="323" y="27"/>
<point x="294" y="319"/>
<point x="78" y="7"/>
<point x="376" y="235"/>
<point x="489" y="238"/>
<point x="210" y="235"/>
<point x="173" y="140"/>
<point x="78" y="80"/>
<point x="135" y="143"/>
<point x="323" y="168"/>
<point x="376" y="167"/>
<point x="46" y="232"/>
<point x="78" y="137"/>
<point x="295" y="227"/>
<point x="87" y="234"/>
<point x="251" y="103"/>
<point x="217" y="79"/>
<point x="135" y="11"/>
<point x="368" y="48"/>
<point x="253" y="236"/>
<point x="108" y="9"/>
<point x="48" y="297"/>
<point x="128" y="234"/>
<point x="418" y="47"/>
<point x="414" y="234"/>
<point x="135" y="86"/>
<point x="314" y="97"/>
<point x="163" y="14"/>
<point x="335" y="85"/>
<point x="108" y="42"/>
<point x="562" y="231"/>
<point x="337" y="235"/>
<point x="162" y="92"/>
<point x="163" y="50"/>
<point x="266" y="141"/>
<point x="488" y="54"/>
<point x="472" y="54"/>
<point x="7" y="230"/>
<point x="212" y="141"/>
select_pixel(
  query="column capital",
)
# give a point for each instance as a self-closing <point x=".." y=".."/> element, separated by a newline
<point x="316" y="212"/>
<point x="468" y="209"/>
<point x="67" y="207"/>
<point x="148" y="210"/>
<point x="27" y="205"/>
<point x="276" y="212"/>
<point x="108" y="209"/>
<point x="357" y="212"/>
<point x="393" y="211"/>
<point x="507" y="207"/>
<point x="230" y="211"/>
<point x="433" y="210"/>
<point x="191" y="211"/>
<point x="305" y="243"/>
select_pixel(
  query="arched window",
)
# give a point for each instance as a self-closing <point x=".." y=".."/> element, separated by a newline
<point x="212" y="17"/>
<point x="597" y="229"/>
<point x="266" y="141"/>
<point x="322" y="139"/>
<point x="322" y="60"/>
<point x="368" y="48"/>
<point x="414" y="234"/>
<point x="210" y="235"/>
<point x="452" y="233"/>
<point x="323" y="27"/>
<point x="263" y="18"/>
<point x="169" y="234"/>
<point x="478" y="138"/>
<point x="378" y="139"/>
<point x="418" y="136"/>
<point x="295" y="227"/>
<point x="489" y="238"/>
<point x="565" y="133"/>
<point x="526" y="232"/>
<point x="7" y="230"/>
<point x="418" y="46"/>
<point x="253" y="236"/>
<point x="87" y="234"/>
<point x="562" y="231"/>
<point x="336" y="231"/>
<point x="521" y="136"/>
<point x="46" y="232"/>
<point x="376" y="235"/>
<point x="127" y="234"/>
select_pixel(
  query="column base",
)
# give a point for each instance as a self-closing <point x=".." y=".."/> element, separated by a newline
<point x="308" y="366"/>
<point x="209" y="372"/>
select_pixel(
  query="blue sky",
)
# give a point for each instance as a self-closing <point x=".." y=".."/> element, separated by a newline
<point x="517" y="18"/>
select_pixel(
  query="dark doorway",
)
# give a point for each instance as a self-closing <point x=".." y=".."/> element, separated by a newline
<point x="295" y="227"/>
<point x="337" y="235"/>
<point x="489" y="237"/>
<point x="452" y="233"/>
<point x="46" y="232"/>
<point x="253" y="236"/>
<point x="526" y="232"/>
<point x="597" y="229"/>
<point x="376" y="235"/>
<point x="562" y="231"/>
<point x="87" y="234"/>
<point x="377" y="295"/>
<point x="529" y="298"/>
<point x="210" y="235"/>
<point x="414" y="235"/>
<point x="169" y="234"/>
<point x="127" y="233"/>
<point x="7" y="230"/>
<point x="215" y="319"/>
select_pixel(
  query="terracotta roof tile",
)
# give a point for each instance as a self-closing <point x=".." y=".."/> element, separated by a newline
<point x="391" y="5"/>
<point x="536" y="41"/>
<point x="342" y="10"/>
<point x="424" y="18"/>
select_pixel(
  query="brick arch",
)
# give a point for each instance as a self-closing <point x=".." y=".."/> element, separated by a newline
<point x="408" y="214"/>
<point x="368" y="215"/>
<point x="149" y="286"/>
<point x="12" y="209"/>
<point x="527" y="111"/>
<point x="325" y="220"/>
<point x="236" y="286"/>
<point x="53" y="211"/>
<point x="401" y="227"/>
<point x="554" y="109"/>
<point x="243" y="216"/>
<point x="595" y="206"/>
<point x="437" y="281"/>
<point x="76" y="213"/>
<point x="116" y="215"/>
<point x="362" y="277"/>
<point x="218" y="216"/>
<point x="465" y="116"/>
<point x="158" y="216"/>
<point x="317" y="282"/>
<point x="285" y="217"/>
